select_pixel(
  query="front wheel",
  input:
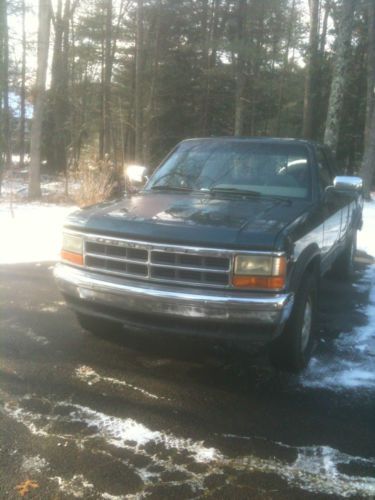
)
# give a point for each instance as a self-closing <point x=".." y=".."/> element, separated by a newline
<point x="292" y="350"/>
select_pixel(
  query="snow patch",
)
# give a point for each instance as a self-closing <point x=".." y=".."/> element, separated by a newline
<point x="31" y="232"/>
<point x="36" y="338"/>
<point x="315" y="468"/>
<point x="90" y="376"/>
<point x="34" y="464"/>
<point x="77" y="486"/>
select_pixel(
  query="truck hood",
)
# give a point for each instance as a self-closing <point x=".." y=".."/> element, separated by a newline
<point x="188" y="219"/>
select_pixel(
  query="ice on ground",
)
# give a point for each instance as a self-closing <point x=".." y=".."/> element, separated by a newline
<point x="352" y="364"/>
<point x="31" y="232"/>
<point x="316" y="469"/>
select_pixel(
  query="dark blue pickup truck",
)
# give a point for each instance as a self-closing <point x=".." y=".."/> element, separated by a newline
<point x="229" y="238"/>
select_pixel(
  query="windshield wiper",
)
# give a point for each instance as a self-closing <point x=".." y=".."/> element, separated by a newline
<point x="169" y="188"/>
<point x="246" y="192"/>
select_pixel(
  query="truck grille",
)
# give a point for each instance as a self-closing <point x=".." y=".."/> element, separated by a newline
<point x="154" y="262"/>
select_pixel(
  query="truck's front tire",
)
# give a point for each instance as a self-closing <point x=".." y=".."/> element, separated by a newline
<point x="291" y="351"/>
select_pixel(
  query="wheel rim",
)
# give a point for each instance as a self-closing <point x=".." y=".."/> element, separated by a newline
<point x="306" y="326"/>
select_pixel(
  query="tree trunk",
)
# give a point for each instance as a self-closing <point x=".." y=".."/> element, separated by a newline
<point x="240" y="76"/>
<point x="368" y="164"/>
<point x="150" y="108"/>
<point x="370" y="98"/>
<point x="336" y="98"/>
<point x="7" y="135"/>
<point x="284" y="72"/>
<point x="2" y="84"/>
<point x="107" y="80"/>
<point x="23" y="90"/>
<point x="44" y="16"/>
<point x="138" y="84"/>
<point x="309" y="99"/>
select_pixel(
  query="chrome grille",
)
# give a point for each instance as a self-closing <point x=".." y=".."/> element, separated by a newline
<point x="155" y="262"/>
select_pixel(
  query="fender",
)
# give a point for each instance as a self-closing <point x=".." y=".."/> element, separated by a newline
<point x="310" y="257"/>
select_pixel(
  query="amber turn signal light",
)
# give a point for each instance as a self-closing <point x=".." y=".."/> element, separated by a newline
<point x="74" y="258"/>
<point x="263" y="282"/>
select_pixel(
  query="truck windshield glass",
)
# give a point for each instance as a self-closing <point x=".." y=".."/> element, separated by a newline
<point x="264" y="168"/>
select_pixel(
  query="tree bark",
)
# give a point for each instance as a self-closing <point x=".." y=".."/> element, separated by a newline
<point x="23" y="90"/>
<point x="7" y="135"/>
<point x="2" y="84"/>
<point x="44" y="16"/>
<point x="368" y="163"/>
<point x="336" y="98"/>
<point x="107" y="80"/>
<point x="139" y="84"/>
<point x="309" y="99"/>
<point x="370" y="97"/>
<point x="240" y="77"/>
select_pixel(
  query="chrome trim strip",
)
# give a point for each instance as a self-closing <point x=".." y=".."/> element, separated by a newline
<point x="166" y="247"/>
<point x="117" y="259"/>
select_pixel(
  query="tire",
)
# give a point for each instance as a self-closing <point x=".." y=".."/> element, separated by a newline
<point x="97" y="326"/>
<point x="343" y="267"/>
<point x="291" y="351"/>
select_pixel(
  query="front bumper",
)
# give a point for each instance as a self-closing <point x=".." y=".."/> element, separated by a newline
<point x="258" y="316"/>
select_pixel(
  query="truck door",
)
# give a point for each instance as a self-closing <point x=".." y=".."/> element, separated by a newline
<point x="331" y="208"/>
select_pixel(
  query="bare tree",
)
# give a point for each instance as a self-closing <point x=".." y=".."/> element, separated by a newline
<point x="309" y="99"/>
<point x="44" y="16"/>
<point x="336" y="98"/>
<point x="23" y="89"/>
<point x="368" y="164"/>
<point x="138" y="84"/>
<point x="240" y="67"/>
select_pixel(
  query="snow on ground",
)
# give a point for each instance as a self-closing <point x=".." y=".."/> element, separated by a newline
<point x="352" y="364"/>
<point x="31" y="232"/>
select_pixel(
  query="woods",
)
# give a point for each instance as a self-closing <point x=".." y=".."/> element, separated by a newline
<point x="126" y="80"/>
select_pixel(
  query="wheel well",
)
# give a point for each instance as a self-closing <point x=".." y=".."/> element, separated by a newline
<point x="313" y="268"/>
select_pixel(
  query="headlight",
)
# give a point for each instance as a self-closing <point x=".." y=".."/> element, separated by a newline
<point x="259" y="271"/>
<point x="72" y="249"/>
<point x="72" y="243"/>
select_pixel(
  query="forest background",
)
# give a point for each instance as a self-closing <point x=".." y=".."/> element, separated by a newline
<point x="122" y="81"/>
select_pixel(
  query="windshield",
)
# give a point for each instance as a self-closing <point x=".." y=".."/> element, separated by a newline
<point x="236" y="167"/>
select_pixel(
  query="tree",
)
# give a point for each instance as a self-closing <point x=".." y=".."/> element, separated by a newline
<point x="312" y="64"/>
<point x="240" y="67"/>
<point x="44" y="15"/>
<point x="368" y="164"/>
<point x="23" y="90"/>
<point x="139" y="83"/>
<point x="336" y="98"/>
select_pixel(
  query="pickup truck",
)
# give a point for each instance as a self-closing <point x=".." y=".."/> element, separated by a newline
<point x="228" y="238"/>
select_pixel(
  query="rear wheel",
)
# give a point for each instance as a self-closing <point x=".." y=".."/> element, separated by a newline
<point x="97" y="326"/>
<point x="292" y="350"/>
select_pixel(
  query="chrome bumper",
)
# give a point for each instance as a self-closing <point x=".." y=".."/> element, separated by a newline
<point x="258" y="309"/>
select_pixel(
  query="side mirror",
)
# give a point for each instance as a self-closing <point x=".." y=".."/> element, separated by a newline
<point x="347" y="183"/>
<point x="136" y="176"/>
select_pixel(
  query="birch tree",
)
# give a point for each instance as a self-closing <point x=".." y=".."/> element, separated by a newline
<point x="336" y="98"/>
<point x="44" y="16"/>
